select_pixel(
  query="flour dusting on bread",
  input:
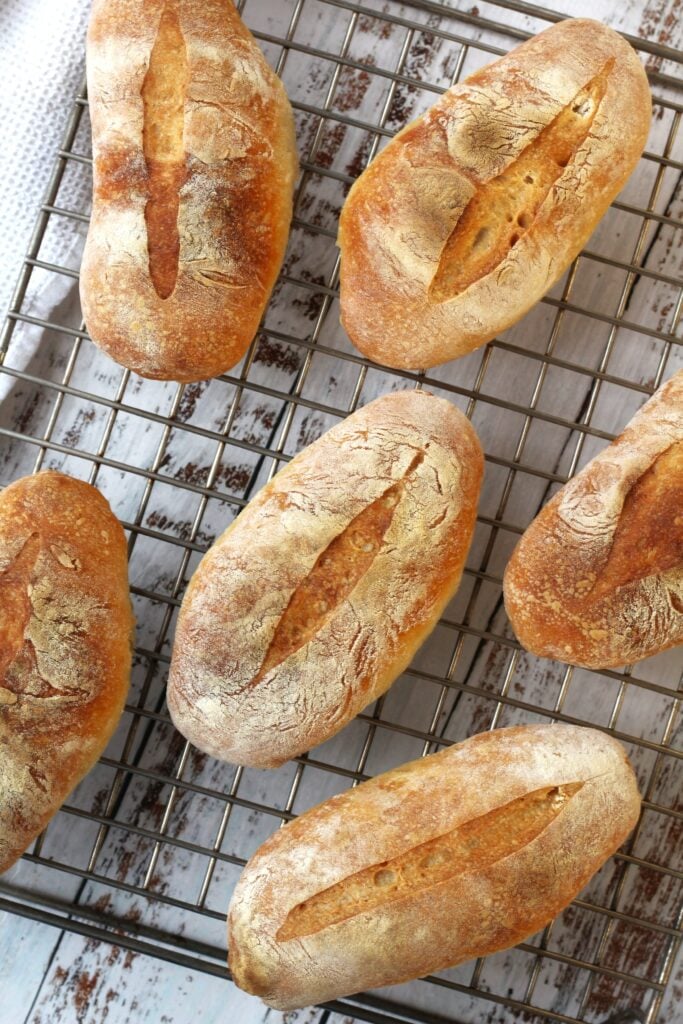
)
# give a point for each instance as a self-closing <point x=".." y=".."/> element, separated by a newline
<point x="346" y="897"/>
<point x="475" y="209"/>
<point x="596" y="579"/>
<point x="194" y="167"/>
<point x="65" y="651"/>
<point x="254" y="591"/>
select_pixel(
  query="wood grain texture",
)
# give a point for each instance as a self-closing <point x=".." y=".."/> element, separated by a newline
<point x="482" y="668"/>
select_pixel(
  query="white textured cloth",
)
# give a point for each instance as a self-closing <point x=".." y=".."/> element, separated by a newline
<point x="43" y="57"/>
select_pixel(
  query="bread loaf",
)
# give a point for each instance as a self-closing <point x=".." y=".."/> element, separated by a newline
<point x="597" y="579"/>
<point x="65" y="646"/>
<point x="448" y="858"/>
<point x="474" y="210"/>
<point x="316" y="598"/>
<point x="194" y="166"/>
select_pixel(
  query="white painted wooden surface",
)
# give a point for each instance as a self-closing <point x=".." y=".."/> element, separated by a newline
<point x="49" y="976"/>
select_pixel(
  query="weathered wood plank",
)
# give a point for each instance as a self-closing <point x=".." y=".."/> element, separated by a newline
<point x="82" y="974"/>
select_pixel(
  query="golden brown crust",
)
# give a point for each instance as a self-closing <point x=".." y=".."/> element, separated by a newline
<point x="316" y="598"/>
<point x="554" y="802"/>
<point x="597" y="579"/>
<point x="471" y="846"/>
<point x="218" y="221"/>
<point x="65" y="646"/>
<point x="471" y="214"/>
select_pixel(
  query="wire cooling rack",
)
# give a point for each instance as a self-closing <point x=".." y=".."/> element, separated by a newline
<point x="149" y="847"/>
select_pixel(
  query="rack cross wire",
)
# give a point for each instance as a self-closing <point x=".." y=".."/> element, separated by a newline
<point x="147" y="850"/>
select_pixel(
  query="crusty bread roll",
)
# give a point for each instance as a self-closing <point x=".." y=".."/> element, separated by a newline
<point x="597" y="579"/>
<point x="474" y="210"/>
<point x="448" y="858"/>
<point x="194" y="167"/>
<point x="316" y="598"/>
<point x="65" y="646"/>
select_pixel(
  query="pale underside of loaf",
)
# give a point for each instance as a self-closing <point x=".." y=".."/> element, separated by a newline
<point x="441" y="860"/>
<point x="195" y="159"/>
<point x="316" y="598"/>
<point x="470" y="215"/>
<point x="597" y="580"/>
<point x="65" y="646"/>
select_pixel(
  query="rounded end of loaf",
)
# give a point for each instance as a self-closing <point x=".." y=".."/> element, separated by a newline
<point x="536" y="599"/>
<point x="152" y="344"/>
<point x="211" y="726"/>
<point x="247" y="972"/>
<point x="533" y="609"/>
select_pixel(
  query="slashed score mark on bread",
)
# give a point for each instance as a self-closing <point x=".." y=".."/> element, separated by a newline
<point x="447" y="858"/>
<point x="501" y="211"/>
<point x="163" y="92"/>
<point x="19" y="669"/>
<point x="337" y="571"/>
<point x="649" y="535"/>
<point x="472" y="212"/>
<point x="474" y="845"/>
<point x="14" y="601"/>
<point x="312" y="602"/>
<point x="194" y="161"/>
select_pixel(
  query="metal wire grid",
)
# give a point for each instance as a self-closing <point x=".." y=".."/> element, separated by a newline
<point x="147" y="712"/>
